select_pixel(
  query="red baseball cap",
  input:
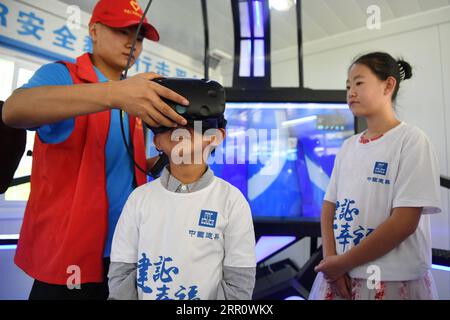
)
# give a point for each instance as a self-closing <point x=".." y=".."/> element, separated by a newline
<point x="120" y="14"/>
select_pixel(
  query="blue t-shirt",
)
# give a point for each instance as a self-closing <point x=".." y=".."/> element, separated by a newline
<point x="119" y="165"/>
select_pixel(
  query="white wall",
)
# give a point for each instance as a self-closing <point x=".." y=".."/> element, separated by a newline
<point x="424" y="100"/>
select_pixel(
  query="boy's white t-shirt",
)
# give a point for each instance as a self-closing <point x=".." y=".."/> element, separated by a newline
<point x="181" y="241"/>
<point x="369" y="180"/>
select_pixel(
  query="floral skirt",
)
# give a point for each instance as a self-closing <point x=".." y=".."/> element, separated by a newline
<point x="420" y="289"/>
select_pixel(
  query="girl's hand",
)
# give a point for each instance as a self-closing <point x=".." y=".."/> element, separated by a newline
<point x="343" y="287"/>
<point x="333" y="267"/>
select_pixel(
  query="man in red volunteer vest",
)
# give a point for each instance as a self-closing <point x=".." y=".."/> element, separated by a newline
<point x="82" y="174"/>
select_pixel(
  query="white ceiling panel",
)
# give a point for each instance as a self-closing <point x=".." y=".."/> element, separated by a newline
<point x="181" y="28"/>
<point x="385" y="8"/>
<point x="432" y="4"/>
<point x="402" y="8"/>
<point x="349" y="12"/>
<point x="318" y="10"/>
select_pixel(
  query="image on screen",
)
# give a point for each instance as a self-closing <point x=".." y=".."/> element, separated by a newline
<point x="281" y="155"/>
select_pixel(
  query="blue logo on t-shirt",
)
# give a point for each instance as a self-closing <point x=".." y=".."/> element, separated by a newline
<point x="208" y="218"/>
<point x="380" y="168"/>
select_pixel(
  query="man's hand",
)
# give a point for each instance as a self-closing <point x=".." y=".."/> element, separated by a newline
<point x="141" y="97"/>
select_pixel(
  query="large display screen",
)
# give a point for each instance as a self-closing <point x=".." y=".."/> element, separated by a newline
<point x="281" y="155"/>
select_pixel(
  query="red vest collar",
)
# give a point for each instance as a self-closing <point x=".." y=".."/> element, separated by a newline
<point x="85" y="68"/>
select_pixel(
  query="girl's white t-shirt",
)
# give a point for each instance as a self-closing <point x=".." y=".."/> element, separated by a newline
<point x="181" y="241"/>
<point x="369" y="180"/>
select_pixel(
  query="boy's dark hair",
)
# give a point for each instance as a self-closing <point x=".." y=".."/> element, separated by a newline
<point x="383" y="65"/>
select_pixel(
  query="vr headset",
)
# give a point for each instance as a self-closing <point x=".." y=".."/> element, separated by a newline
<point x="206" y="104"/>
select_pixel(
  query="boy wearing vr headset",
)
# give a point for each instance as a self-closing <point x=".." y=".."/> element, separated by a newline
<point x="187" y="235"/>
<point x="82" y="173"/>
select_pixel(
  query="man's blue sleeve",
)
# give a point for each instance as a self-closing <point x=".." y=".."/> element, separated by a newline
<point x="53" y="74"/>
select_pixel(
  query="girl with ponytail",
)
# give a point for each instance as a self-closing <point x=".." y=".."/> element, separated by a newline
<point x="385" y="183"/>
